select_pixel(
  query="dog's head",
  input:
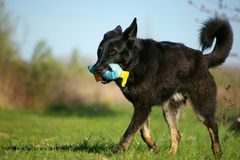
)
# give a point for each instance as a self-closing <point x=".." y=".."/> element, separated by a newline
<point x="118" y="47"/>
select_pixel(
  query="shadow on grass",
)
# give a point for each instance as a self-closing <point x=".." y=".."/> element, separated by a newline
<point x="99" y="146"/>
<point x="80" y="110"/>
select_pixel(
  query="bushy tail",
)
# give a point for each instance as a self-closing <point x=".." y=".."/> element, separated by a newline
<point x="222" y="31"/>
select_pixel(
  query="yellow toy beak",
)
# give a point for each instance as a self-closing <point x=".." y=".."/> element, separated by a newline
<point x="124" y="75"/>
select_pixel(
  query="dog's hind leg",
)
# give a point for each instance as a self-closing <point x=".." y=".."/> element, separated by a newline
<point x="140" y="115"/>
<point x="208" y="119"/>
<point x="203" y="98"/>
<point x="171" y="115"/>
<point x="146" y="136"/>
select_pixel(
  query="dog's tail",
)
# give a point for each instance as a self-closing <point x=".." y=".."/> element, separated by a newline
<point x="222" y="31"/>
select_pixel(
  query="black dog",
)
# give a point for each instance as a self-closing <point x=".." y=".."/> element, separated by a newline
<point x="159" y="70"/>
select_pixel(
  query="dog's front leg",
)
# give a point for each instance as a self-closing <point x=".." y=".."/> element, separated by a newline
<point x="140" y="115"/>
<point x="146" y="136"/>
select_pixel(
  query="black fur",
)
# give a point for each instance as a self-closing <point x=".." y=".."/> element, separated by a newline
<point x="158" y="70"/>
<point x="222" y="31"/>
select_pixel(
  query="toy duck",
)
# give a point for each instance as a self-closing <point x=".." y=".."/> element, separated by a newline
<point x="114" y="72"/>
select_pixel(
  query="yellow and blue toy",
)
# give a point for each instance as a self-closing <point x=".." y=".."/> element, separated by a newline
<point x="114" y="72"/>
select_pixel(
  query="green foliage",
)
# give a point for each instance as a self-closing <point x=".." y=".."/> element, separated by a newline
<point x="11" y="66"/>
<point x="74" y="60"/>
<point x="45" y="72"/>
<point x="32" y="84"/>
<point x="79" y="135"/>
<point x="42" y="53"/>
<point x="8" y="50"/>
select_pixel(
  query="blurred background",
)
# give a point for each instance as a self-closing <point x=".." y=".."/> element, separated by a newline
<point x="45" y="47"/>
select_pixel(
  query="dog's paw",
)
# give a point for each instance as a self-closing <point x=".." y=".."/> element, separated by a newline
<point x="117" y="148"/>
<point x="155" y="149"/>
<point x="171" y="151"/>
<point x="217" y="151"/>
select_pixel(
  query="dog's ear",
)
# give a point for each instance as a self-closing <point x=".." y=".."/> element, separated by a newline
<point x="118" y="30"/>
<point x="131" y="31"/>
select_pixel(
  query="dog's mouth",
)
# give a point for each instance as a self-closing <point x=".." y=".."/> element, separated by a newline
<point x="104" y="81"/>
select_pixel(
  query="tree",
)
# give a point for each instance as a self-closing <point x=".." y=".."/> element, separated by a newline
<point x="219" y="8"/>
<point x="45" y="73"/>
<point x="8" y="49"/>
<point x="42" y="52"/>
<point x="11" y="66"/>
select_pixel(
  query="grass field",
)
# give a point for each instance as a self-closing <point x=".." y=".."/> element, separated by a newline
<point x="90" y="133"/>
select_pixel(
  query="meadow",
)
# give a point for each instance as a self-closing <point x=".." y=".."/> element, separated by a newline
<point x="90" y="133"/>
<point x="52" y="108"/>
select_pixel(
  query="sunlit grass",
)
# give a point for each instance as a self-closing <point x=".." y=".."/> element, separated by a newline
<point x="91" y="133"/>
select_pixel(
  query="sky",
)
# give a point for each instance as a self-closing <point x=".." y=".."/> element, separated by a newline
<point x="80" y="24"/>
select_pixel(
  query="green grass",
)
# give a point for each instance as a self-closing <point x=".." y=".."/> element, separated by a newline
<point x="90" y="133"/>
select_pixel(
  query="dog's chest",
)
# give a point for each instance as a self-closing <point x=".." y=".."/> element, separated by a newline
<point x="148" y="95"/>
<point x="136" y="93"/>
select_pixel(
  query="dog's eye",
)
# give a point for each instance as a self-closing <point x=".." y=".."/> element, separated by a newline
<point x="112" y="52"/>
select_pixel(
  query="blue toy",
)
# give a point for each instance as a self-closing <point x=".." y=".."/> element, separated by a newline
<point x="114" y="72"/>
